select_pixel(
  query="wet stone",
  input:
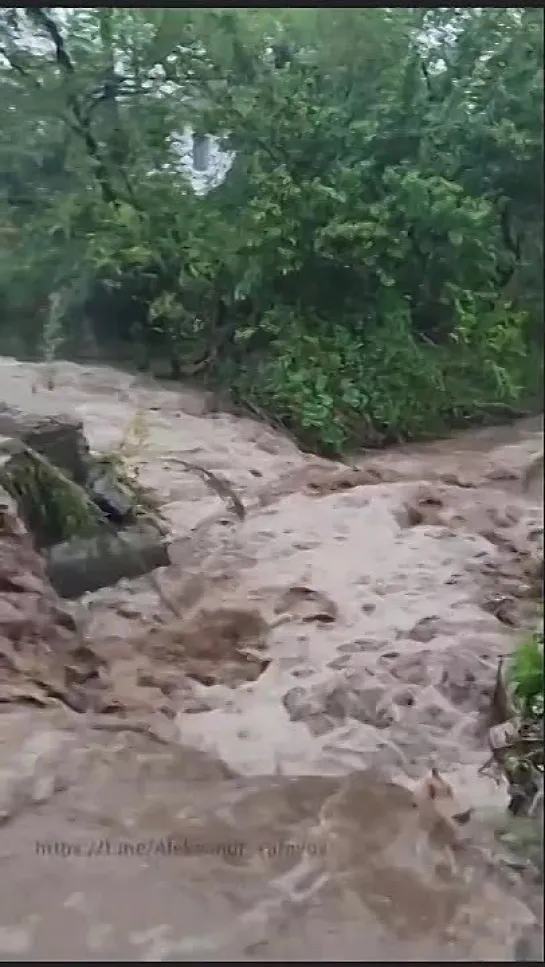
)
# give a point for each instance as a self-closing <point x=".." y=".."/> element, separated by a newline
<point x="60" y="439"/>
<point x="112" y="498"/>
<point x="80" y="565"/>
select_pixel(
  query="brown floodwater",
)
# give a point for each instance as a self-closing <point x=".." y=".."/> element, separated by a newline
<point x="276" y="818"/>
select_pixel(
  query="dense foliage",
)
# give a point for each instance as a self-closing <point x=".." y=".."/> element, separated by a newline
<point x="371" y="266"/>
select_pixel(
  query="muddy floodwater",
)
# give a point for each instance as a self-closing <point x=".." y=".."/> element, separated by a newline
<point x="300" y="671"/>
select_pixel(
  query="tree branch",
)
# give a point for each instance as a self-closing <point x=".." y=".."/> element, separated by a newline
<point x="82" y="124"/>
<point x="16" y="66"/>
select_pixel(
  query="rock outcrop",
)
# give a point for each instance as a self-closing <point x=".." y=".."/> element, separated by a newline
<point x="60" y="440"/>
<point x="88" y="564"/>
<point x="88" y="521"/>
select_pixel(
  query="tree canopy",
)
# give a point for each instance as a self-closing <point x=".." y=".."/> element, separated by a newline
<point x="371" y="266"/>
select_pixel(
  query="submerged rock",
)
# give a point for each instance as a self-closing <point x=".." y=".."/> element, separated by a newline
<point x="81" y="565"/>
<point x="113" y="499"/>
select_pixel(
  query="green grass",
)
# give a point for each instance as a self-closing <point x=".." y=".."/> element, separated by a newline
<point x="526" y="676"/>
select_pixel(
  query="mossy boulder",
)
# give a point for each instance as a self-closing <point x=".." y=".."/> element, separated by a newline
<point x="52" y="505"/>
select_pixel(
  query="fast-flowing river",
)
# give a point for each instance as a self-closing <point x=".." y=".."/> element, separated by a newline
<point x="276" y="821"/>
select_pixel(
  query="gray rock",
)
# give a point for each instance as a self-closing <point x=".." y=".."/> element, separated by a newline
<point x="112" y="497"/>
<point x="58" y="438"/>
<point x="77" y="566"/>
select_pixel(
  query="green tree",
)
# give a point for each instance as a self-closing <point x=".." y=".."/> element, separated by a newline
<point x="370" y="269"/>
